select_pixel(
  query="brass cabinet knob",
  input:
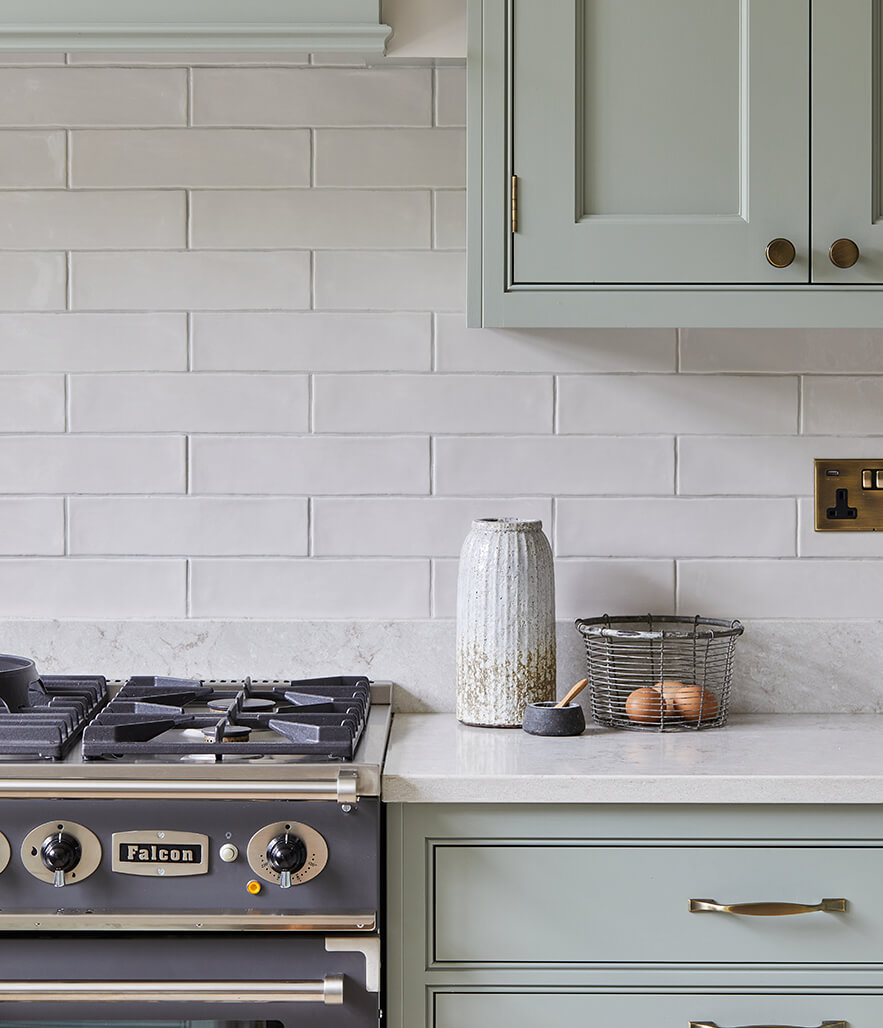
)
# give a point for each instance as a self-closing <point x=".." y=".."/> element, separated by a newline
<point x="780" y="253"/>
<point x="843" y="253"/>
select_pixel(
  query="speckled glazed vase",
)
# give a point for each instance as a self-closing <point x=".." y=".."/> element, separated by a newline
<point x="505" y="622"/>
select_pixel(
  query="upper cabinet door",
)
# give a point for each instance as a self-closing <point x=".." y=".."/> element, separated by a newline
<point x="662" y="143"/>
<point x="847" y="148"/>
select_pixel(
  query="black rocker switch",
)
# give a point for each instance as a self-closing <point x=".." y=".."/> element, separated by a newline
<point x="841" y="511"/>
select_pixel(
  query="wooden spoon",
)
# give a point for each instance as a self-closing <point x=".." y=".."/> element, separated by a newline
<point x="574" y="692"/>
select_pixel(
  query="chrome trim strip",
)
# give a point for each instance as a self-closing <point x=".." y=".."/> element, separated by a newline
<point x="50" y="921"/>
<point x="328" y="990"/>
<point x="320" y="789"/>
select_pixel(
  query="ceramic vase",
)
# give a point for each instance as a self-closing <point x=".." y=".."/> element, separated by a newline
<point x="505" y="622"/>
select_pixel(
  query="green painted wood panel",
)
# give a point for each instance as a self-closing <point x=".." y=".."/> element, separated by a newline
<point x="846" y="170"/>
<point x="846" y="138"/>
<point x="660" y="143"/>
<point x="303" y="25"/>
<point x="543" y="1009"/>
<point x="630" y="904"/>
<point x="567" y="993"/>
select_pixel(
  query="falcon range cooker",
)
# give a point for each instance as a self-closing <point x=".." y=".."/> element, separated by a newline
<point x="178" y="852"/>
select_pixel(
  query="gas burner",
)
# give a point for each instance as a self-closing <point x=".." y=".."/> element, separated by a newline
<point x="321" y="717"/>
<point x="48" y="725"/>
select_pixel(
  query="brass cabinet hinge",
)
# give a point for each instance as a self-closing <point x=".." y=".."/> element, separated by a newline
<point x="514" y="203"/>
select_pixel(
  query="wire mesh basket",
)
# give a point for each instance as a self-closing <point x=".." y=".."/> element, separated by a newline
<point x="659" y="673"/>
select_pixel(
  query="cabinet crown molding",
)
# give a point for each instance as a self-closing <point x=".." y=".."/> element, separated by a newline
<point x="313" y="26"/>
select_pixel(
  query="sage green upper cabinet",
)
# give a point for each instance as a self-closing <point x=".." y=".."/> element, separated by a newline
<point x="228" y="25"/>
<point x="685" y="152"/>
<point x="630" y="162"/>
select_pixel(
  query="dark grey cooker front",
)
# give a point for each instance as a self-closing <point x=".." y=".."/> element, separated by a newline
<point x="348" y="884"/>
<point x="220" y="958"/>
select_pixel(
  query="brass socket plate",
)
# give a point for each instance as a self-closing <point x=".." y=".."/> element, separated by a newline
<point x="833" y="475"/>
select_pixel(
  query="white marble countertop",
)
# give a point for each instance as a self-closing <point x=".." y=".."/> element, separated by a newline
<point x="757" y="758"/>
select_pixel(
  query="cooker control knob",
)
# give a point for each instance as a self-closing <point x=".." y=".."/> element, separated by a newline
<point x="286" y="854"/>
<point x="60" y="853"/>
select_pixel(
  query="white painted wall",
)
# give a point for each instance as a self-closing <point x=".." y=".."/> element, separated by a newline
<point x="426" y="28"/>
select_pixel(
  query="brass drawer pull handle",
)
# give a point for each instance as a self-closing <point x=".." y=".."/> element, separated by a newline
<point x="780" y="253"/>
<point x="843" y="253"/>
<point x="824" y="1024"/>
<point x="698" y="906"/>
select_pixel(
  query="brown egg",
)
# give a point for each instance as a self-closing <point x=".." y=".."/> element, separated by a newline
<point x="693" y="702"/>
<point x="644" y="706"/>
<point x="667" y="690"/>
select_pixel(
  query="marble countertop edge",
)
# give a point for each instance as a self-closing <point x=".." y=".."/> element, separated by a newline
<point x="756" y="759"/>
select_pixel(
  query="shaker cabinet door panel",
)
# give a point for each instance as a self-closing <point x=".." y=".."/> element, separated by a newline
<point x="543" y="1009"/>
<point x="632" y="904"/>
<point x="847" y="138"/>
<point x="660" y="143"/>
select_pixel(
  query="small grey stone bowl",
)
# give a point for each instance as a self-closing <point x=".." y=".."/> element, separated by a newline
<point x="547" y="719"/>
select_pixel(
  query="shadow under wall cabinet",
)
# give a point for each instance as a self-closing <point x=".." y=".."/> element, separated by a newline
<point x="686" y="163"/>
<point x="530" y="916"/>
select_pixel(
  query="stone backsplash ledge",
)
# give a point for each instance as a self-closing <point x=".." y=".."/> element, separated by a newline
<point x="781" y="666"/>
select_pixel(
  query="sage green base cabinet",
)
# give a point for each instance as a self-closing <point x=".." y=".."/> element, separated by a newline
<point x="530" y="916"/>
<point x="631" y="161"/>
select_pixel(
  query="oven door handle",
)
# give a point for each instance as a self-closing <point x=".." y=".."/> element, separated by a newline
<point x="328" y="990"/>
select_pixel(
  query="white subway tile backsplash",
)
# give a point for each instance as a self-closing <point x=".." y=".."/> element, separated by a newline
<point x="286" y="287"/>
<point x="584" y="588"/>
<point x="782" y="350"/>
<point x="374" y="589"/>
<point x="589" y="588"/>
<point x="676" y="527"/>
<point x="409" y="527"/>
<point x="78" y="220"/>
<point x="432" y="403"/>
<point x="85" y="588"/>
<point x="310" y="465"/>
<point x="312" y="96"/>
<point x="552" y="350"/>
<point x="781" y="588"/>
<point x="92" y="464"/>
<point x="391" y="158"/>
<point x="31" y="526"/>
<point x="759" y="465"/>
<point x="228" y="280"/>
<point x="310" y="218"/>
<point x="31" y="403"/>
<point x="843" y="406"/>
<point x="381" y="280"/>
<point x="311" y="342"/>
<point x="32" y="281"/>
<point x="450" y="95"/>
<point x="194" y="158"/>
<point x="189" y="403"/>
<point x="93" y="342"/>
<point x="32" y="160"/>
<point x="190" y="526"/>
<point x="73" y="97"/>
<point x="450" y="220"/>
<point x="550" y="465"/>
<point x="690" y="404"/>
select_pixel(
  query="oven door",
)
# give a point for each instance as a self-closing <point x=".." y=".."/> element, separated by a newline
<point x="229" y="980"/>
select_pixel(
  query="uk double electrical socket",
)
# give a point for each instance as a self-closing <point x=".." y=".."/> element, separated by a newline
<point x="849" y="495"/>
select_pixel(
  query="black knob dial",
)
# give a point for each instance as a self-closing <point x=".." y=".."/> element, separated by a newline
<point x="60" y="852"/>
<point x="287" y="853"/>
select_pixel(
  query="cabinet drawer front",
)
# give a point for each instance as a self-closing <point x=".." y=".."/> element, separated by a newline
<point x="540" y="1010"/>
<point x="585" y="904"/>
